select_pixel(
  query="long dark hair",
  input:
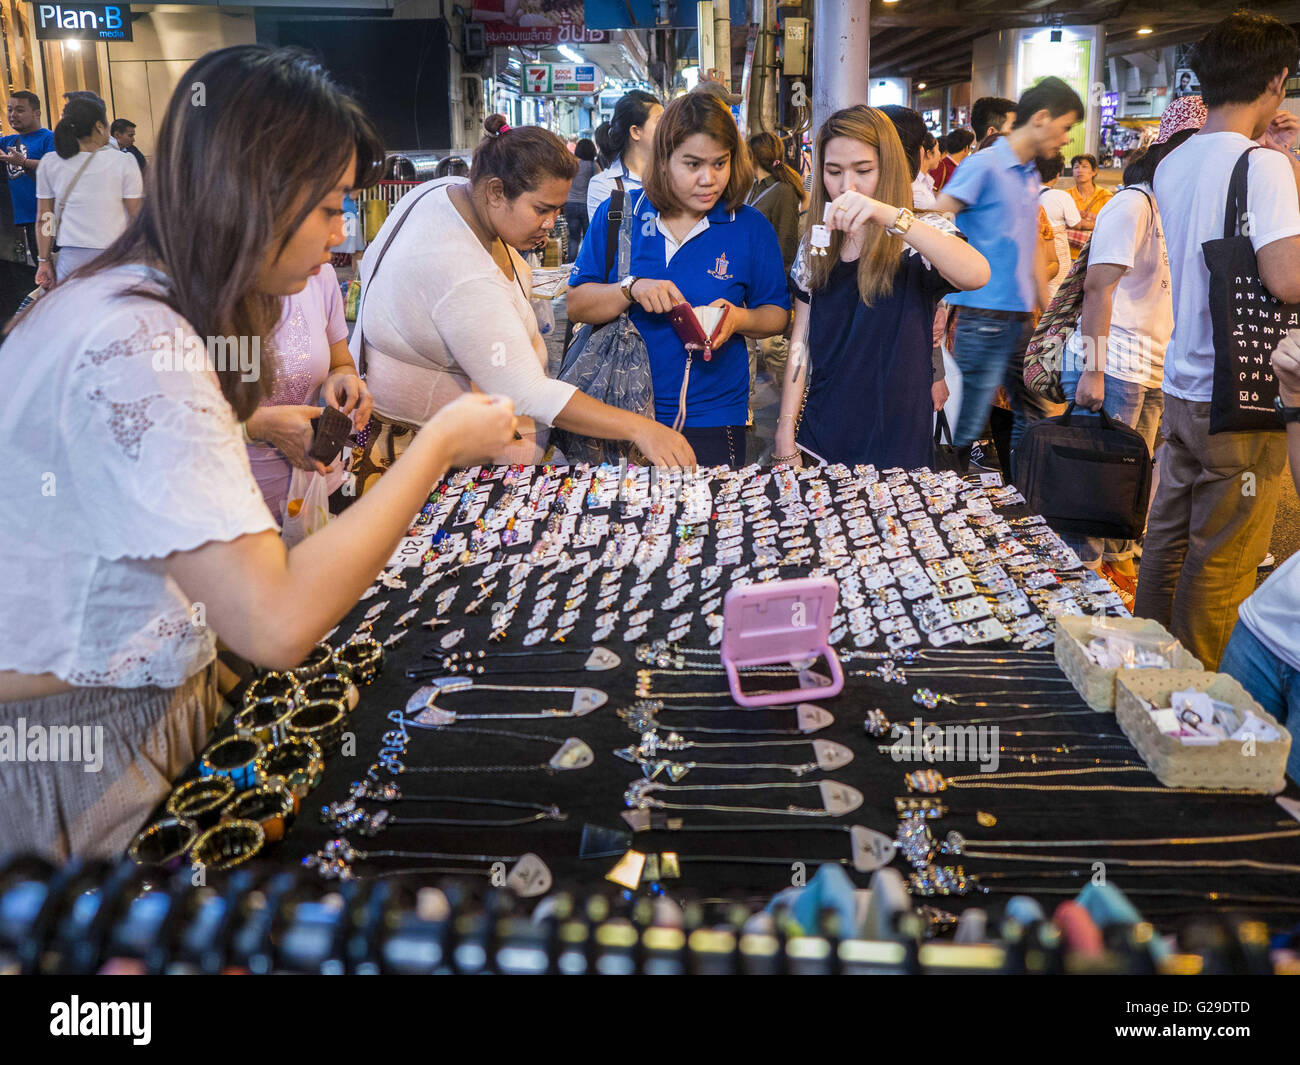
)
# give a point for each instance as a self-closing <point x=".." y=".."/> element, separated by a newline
<point x="253" y="139"/>
<point x="1141" y="169"/>
<point x="80" y="118"/>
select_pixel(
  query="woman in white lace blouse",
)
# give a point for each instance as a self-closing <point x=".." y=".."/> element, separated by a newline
<point x="132" y="532"/>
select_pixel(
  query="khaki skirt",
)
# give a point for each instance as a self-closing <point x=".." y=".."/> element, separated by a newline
<point x="81" y="770"/>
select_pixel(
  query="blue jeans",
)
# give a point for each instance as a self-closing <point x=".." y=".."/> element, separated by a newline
<point x="1270" y="681"/>
<point x="990" y="352"/>
<point x="1138" y="407"/>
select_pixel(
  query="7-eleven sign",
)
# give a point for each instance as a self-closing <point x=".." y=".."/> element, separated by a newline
<point x="537" y="78"/>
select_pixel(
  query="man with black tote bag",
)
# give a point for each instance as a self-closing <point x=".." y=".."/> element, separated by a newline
<point x="1220" y="472"/>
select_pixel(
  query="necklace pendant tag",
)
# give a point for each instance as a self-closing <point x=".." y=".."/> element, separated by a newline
<point x="530" y="877"/>
<point x="839" y="799"/>
<point x="573" y="754"/>
<point x="812" y="718"/>
<point x="601" y="659"/>
<point x="627" y="873"/>
<point x="638" y="820"/>
<point x="830" y="755"/>
<point x="585" y="700"/>
<point x="872" y="850"/>
<point x="434" y="717"/>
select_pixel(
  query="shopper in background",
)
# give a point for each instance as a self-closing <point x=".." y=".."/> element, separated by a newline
<point x="992" y="114"/>
<point x="1212" y="517"/>
<point x="1058" y="206"/>
<point x="575" y="207"/>
<point x="87" y="188"/>
<point x="777" y="194"/>
<point x="449" y="311"/>
<point x="122" y="133"/>
<point x="631" y="132"/>
<point x="956" y="146"/>
<point x="604" y="150"/>
<point x="1263" y="653"/>
<point x="696" y="243"/>
<point x="22" y="152"/>
<point x="1114" y="361"/>
<point x="865" y="312"/>
<point x="313" y="367"/>
<point x="157" y="543"/>
<point x="1089" y="198"/>
<point x="994" y="195"/>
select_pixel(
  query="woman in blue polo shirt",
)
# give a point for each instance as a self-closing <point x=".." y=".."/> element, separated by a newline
<point x="697" y="243"/>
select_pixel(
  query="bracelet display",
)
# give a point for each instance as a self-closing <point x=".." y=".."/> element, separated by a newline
<point x="271" y="804"/>
<point x="322" y="722"/>
<point x="228" y="844"/>
<point x="297" y="760"/>
<point x="164" y="844"/>
<point x="319" y="660"/>
<point x="201" y="800"/>
<point x="265" y="719"/>
<point x="234" y="758"/>
<point x="363" y="657"/>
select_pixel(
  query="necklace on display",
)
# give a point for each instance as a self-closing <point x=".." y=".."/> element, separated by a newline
<point x="529" y="876"/>
<point x="930" y="781"/>
<point x="598" y="660"/>
<point x="828" y="756"/>
<point x="643" y="717"/>
<point x="349" y="814"/>
<point x="427" y="715"/>
<point x="837" y="799"/>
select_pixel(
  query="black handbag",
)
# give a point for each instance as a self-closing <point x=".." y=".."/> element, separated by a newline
<point x="947" y="456"/>
<point x="1087" y="474"/>
<point x="1248" y="321"/>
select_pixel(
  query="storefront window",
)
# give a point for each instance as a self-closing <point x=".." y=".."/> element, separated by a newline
<point x="72" y="65"/>
<point x="18" y="47"/>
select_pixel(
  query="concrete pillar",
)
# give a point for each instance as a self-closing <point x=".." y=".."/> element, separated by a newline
<point x="841" y="46"/>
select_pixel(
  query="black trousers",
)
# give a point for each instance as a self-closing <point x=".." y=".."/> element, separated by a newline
<point x="717" y="445"/>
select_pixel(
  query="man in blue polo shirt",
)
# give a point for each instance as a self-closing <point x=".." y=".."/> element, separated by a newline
<point x="22" y="152"/>
<point x="994" y="195"/>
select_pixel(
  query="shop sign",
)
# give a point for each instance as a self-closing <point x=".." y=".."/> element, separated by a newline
<point x="82" y="22"/>
<point x="533" y="23"/>
<point x="562" y="79"/>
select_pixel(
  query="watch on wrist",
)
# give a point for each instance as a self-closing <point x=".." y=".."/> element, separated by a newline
<point x="1289" y="414"/>
<point x="902" y="223"/>
<point x="626" y="286"/>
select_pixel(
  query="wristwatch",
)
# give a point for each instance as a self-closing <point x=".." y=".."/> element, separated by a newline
<point x="902" y="223"/>
<point x="626" y="286"/>
<point x="1289" y="414"/>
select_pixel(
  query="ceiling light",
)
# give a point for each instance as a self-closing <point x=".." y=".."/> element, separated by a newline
<point x="569" y="54"/>
<point x="920" y="85"/>
<point x="1144" y="30"/>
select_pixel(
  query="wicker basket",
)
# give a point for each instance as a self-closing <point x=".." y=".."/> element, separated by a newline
<point x="1096" y="683"/>
<point x="1178" y="765"/>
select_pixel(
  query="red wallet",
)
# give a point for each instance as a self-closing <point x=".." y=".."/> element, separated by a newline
<point x="690" y="331"/>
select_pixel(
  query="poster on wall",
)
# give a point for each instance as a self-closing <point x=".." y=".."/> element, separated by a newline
<point x="1069" y="60"/>
<point x="1186" y="82"/>
<point x="534" y="22"/>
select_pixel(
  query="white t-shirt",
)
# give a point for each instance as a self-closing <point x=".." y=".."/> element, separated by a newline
<point x="442" y="319"/>
<point x="117" y="456"/>
<point x="923" y="198"/>
<point x="1061" y="211"/>
<point x="1272" y="611"/>
<point x="602" y="184"/>
<point x="94" y="215"/>
<point x="1192" y="189"/>
<point x="1128" y="234"/>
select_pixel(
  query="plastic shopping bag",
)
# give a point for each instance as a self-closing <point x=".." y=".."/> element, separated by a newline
<point x="307" y="508"/>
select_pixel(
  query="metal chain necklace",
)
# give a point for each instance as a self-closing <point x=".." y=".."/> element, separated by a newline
<point x="349" y="814"/>
<point x="929" y="781"/>
<point x="837" y="799"/>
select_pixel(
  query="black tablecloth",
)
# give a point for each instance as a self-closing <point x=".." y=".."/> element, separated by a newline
<point x="594" y="795"/>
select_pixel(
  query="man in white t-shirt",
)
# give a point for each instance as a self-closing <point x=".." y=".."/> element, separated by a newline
<point x="1061" y="211"/>
<point x="1213" y="513"/>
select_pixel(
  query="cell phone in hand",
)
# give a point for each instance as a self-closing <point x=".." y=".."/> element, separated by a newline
<point x="333" y="428"/>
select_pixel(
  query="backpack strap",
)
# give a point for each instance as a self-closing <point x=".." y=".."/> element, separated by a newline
<point x="614" y="220"/>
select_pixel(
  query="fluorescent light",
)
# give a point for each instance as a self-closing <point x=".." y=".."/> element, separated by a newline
<point x="74" y="46"/>
<point x="1144" y="30"/>
<point x="570" y="54"/>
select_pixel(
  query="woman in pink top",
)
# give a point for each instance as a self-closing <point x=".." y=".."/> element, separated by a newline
<point x="312" y="363"/>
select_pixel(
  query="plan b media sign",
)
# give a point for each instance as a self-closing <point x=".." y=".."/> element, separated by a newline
<point x="82" y="22"/>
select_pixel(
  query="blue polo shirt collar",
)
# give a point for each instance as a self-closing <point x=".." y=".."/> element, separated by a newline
<point x="719" y="215"/>
<point x="1009" y="158"/>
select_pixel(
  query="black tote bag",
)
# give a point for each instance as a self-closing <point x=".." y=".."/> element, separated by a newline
<point x="1248" y="323"/>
